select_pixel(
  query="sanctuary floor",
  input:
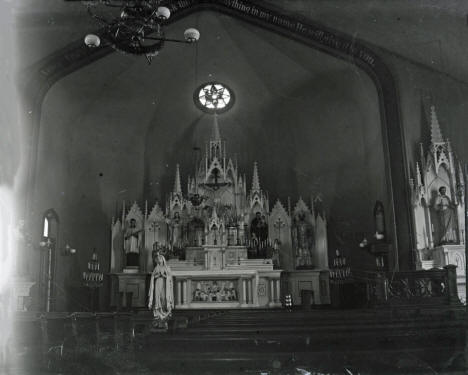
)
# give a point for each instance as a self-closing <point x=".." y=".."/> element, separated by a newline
<point x="400" y="341"/>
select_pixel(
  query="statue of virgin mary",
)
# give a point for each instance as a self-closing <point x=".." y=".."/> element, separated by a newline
<point x="161" y="295"/>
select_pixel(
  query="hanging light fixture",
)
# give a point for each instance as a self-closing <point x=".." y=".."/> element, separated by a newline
<point x="136" y="27"/>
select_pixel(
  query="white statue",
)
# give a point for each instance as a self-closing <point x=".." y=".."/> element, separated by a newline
<point x="133" y="240"/>
<point x="161" y="295"/>
<point x="447" y="220"/>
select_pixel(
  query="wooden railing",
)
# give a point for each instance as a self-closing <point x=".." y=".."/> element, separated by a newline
<point x="437" y="286"/>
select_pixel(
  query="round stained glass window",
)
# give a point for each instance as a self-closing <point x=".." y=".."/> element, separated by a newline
<point x="214" y="97"/>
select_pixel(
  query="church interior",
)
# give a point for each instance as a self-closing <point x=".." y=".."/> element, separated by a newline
<point x="252" y="187"/>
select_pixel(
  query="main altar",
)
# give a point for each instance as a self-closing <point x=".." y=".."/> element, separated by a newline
<point x="224" y="244"/>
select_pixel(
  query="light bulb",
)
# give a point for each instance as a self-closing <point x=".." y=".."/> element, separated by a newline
<point x="191" y="35"/>
<point x="163" y="13"/>
<point x="92" y="41"/>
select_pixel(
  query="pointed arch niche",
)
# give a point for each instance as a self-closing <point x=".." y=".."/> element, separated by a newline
<point x="40" y="77"/>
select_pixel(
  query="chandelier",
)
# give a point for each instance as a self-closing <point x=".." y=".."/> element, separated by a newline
<point x="133" y="26"/>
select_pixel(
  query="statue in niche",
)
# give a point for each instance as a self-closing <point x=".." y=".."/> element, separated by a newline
<point x="133" y="240"/>
<point x="176" y="231"/>
<point x="275" y="257"/>
<point x="302" y="237"/>
<point x="161" y="297"/>
<point x="196" y="229"/>
<point x="446" y="216"/>
<point x="259" y="233"/>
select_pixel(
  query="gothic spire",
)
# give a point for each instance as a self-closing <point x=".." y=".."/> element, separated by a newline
<point x="436" y="135"/>
<point x="216" y="134"/>
<point x="177" y="186"/>
<point x="418" y="175"/>
<point x="255" y="179"/>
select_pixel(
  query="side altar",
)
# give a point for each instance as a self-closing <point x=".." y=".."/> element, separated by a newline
<point x="225" y="246"/>
<point x="438" y="198"/>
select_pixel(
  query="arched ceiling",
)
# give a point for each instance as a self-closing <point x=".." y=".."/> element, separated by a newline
<point x="430" y="32"/>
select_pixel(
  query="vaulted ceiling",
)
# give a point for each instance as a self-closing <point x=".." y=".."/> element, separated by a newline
<point x="429" y="32"/>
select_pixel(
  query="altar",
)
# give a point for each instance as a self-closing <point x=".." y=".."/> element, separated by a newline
<point x="224" y="245"/>
<point x="228" y="288"/>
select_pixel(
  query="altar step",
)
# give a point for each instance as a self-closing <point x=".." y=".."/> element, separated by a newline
<point x="184" y="265"/>
<point x="251" y="264"/>
<point x="321" y="320"/>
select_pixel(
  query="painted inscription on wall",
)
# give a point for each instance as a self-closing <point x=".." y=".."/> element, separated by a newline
<point x="314" y="33"/>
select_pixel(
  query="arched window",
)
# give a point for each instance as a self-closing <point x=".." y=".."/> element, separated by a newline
<point x="45" y="230"/>
<point x="50" y="233"/>
<point x="50" y="224"/>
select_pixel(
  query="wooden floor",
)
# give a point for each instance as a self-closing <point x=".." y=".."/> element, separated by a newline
<point x="385" y="341"/>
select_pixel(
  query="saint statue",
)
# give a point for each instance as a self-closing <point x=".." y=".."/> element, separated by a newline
<point x="133" y="240"/>
<point x="302" y="239"/>
<point x="161" y="295"/>
<point x="176" y="232"/>
<point x="447" y="224"/>
<point x="259" y="232"/>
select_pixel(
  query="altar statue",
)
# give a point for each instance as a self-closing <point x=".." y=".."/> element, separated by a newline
<point x="132" y="243"/>
<point x="176" y="230"/>
<point x="161" y="296"/>
<point x="302" y="240"/>
<point x="447" y="224"/>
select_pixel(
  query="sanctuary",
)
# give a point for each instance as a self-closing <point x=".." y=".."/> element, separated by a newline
<point x="225" y="246"/>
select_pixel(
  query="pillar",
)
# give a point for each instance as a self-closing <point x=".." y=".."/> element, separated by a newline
<point x="278" y="291"/>
<point x="272" y="290"/>
<point x="184" y="292"/>
<point x="244" y="291"/>
<point x="189" y="293"/>
<point x="179" y="293"/>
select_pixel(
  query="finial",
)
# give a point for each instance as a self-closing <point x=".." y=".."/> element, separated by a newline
<point x="177" y="186"/>
<point x="255" y="179"/>
<point x="436" y="135"/>
<point x="418" y="175"/>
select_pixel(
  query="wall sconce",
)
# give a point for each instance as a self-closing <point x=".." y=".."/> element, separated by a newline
<point x="47" y="243"/>
<point x="68" y="250"/>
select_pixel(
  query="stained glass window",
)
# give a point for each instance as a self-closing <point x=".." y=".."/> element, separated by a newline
<point x="214" y="97"/>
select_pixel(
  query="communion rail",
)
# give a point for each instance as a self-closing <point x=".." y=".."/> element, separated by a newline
<point x="422" y="287"/>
